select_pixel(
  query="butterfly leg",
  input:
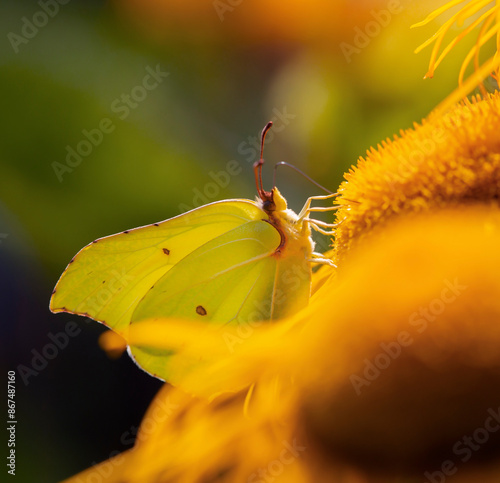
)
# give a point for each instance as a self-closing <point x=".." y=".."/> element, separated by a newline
<point x="318" y="226"/>
<point x="319" y="258"/>
<point x="322" y="209"/>
<point x="320" y="230"/>
<point x="322" y="223"/>
<point x="307" y="207"/>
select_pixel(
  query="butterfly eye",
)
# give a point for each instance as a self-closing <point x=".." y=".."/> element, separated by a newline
<point x="269" y="205"/>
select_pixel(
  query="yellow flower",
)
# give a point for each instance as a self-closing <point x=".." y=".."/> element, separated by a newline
<point x="391" y="374"/>
<point x="480" y="12"/>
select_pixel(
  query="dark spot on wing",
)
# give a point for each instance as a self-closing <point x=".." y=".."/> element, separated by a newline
<point x="95" y="241"/>
<point x="156" y="224"/>
<point x="104" y="281"/>
<point x="200" y="310"/>
<point x="53" y="291"/>
<point x="71" y="261"/>
<point x="125" y="232"/>
<point x="166" y="251"/>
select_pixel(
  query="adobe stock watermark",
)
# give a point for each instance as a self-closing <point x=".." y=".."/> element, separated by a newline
<point x="419" y="322"/>
<point x="364" y="36"/>
<point x="466" y="447"/>
<point x="276" y="467"/>
<point x="225" y="6"/>
<point x="101" y="472"/>
<point x="250" y="149"/>
<point x="30" y="27"/>
<point x="122" y="106"/>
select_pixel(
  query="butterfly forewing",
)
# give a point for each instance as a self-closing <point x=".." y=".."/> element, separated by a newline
<point x="107" y="279"/>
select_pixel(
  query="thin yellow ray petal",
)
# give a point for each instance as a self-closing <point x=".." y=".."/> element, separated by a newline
<point x="460" y="16"/>
<point x="466" y="12"/>
<point x="472" y="81"/>
<point x="470" y="10"/>
<point x="461" y="35"/>
<point x="441" y="32"/>
<point x="112" y="343"/>
<point x="437" y="45"/>
<point x="481" y="40"/>
<point x="437" y="13"/>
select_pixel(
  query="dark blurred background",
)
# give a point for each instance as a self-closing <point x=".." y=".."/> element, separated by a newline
<point x="90" y="146"/>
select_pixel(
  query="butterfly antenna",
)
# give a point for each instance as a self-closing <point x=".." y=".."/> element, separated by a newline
<point x="284" y="163"/>
<point x="257" y="167"/>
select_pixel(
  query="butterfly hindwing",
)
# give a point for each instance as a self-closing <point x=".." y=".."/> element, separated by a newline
<point x="237" y="278"/>
<point x="230" y="280"/>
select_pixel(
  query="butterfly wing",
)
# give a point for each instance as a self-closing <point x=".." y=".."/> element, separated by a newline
<point x="107" y="279"/>
<point x="216" y="263"/>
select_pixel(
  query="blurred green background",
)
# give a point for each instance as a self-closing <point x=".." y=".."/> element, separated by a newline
<point x="333" y="82"/>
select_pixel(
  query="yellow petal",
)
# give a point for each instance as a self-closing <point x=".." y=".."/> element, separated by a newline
<point x="113" y="343"/>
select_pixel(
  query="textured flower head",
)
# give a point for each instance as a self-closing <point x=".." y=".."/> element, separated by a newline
<point x="448" y="160"/>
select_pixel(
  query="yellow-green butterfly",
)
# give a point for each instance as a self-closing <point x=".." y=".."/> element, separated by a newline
<point x="231" y="261"/>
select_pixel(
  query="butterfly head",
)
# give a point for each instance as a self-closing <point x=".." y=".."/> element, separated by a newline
<point x="272" y="201"/>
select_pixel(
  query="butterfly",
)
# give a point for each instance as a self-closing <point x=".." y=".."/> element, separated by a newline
<point x="227" y="262"/>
